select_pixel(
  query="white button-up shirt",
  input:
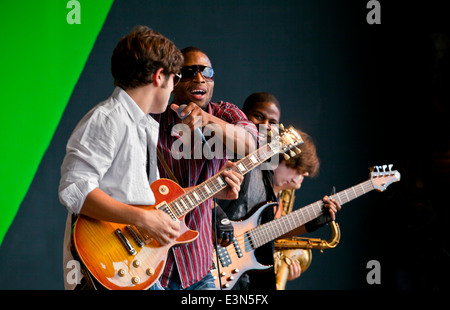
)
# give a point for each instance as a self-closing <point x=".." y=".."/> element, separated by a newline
<point x="108" y="150"/>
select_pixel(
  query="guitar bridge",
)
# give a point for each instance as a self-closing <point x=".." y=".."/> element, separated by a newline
<point x="125" y="242"/>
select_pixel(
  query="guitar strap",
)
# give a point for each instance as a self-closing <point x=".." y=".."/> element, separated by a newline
<point x="166" y="167"/>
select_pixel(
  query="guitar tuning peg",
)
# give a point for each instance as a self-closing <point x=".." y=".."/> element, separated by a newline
<point x="390" y="167"/>
<point x="384" y="168"/>
<point x="285" y="156"/>
<point x="281" y="126"/>
<point x="292" y="153"/>
<point x="297" y="150"/>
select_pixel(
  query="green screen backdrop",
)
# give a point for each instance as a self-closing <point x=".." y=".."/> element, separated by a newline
<point x="45" y="45"/>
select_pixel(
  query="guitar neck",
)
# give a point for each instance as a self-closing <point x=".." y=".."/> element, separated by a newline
<point x="272" y="230"/>
<point x="187" y="202"/>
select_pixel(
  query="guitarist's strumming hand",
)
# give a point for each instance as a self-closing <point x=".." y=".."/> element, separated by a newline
<point x="160" y="226"/>
<point x="222" y="227"/>
<point x="221" y="223"/>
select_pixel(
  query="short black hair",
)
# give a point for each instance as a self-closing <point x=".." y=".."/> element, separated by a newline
<point x="254" y="98"/>
<point x="190" y="49"/>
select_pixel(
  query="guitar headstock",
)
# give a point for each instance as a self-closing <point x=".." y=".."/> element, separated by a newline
<point x="287" y="141"/>
<point x="383" y="176"/>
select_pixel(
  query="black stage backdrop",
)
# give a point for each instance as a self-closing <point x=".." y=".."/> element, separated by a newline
<point x="368" y="95"/>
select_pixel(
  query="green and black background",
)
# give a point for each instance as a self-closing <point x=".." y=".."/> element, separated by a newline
<point x="368" y="94"/>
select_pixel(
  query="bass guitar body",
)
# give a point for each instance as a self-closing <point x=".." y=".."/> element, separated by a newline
<point x="238" y="258"/>
<point x="124" y="257"/>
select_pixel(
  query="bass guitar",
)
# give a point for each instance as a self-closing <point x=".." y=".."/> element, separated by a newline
<point x="239" y="258"/>
<point x="125" y="257"/>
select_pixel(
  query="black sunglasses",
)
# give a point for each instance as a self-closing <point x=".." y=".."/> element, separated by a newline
<point x="189" y="72"/>
<point x="176" y="79"/>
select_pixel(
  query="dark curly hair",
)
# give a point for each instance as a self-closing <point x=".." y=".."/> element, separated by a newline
<point x="307" y="160"/>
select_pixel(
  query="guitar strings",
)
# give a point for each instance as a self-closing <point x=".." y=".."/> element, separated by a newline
<point x="202" y="192"/>
<point x="259" y="236"/>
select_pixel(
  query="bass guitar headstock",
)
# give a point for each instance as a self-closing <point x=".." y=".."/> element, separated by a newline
<point x="383" y="176"/>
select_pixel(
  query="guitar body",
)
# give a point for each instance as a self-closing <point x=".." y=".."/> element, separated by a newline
<point x="112" y="262"/>
<point x="238" y="257"/>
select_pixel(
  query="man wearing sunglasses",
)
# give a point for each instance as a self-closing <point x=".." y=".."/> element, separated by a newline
<point x="188" y="266"/>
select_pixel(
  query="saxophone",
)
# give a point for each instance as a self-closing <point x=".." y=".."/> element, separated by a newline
<point x="298" y="248"/>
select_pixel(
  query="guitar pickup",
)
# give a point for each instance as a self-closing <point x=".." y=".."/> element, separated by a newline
<point x="134" y="234"/>
<point x="237" y="247"/>
<point x="125" y="242"/>
<point x="224" y="257"/>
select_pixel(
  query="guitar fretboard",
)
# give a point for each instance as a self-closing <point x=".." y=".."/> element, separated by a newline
<point x="267" y="232"/>
<point x="212" y="186"/>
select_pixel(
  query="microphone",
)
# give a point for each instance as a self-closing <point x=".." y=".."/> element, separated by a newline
<point x="197" y="132"/>
<point x="180" y="109"/>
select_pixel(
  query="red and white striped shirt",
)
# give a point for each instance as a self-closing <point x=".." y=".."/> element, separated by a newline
<point x="194" y="260"/>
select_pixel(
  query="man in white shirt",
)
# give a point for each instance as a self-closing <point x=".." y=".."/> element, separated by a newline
<point x="111" y="157"/>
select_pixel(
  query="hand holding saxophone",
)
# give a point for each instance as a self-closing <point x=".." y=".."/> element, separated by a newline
<point x="295" y="270"/>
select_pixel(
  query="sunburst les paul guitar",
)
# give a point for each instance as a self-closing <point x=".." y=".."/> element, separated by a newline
<point x="125" y="257"/>
<point x="239" y="258"/>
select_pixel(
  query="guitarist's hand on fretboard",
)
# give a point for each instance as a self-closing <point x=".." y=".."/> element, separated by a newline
<point x="234" y="180"/>
<point x="333" y="207"/>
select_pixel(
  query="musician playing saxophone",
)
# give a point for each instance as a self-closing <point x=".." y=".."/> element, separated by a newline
<point x="260" y="186"/>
